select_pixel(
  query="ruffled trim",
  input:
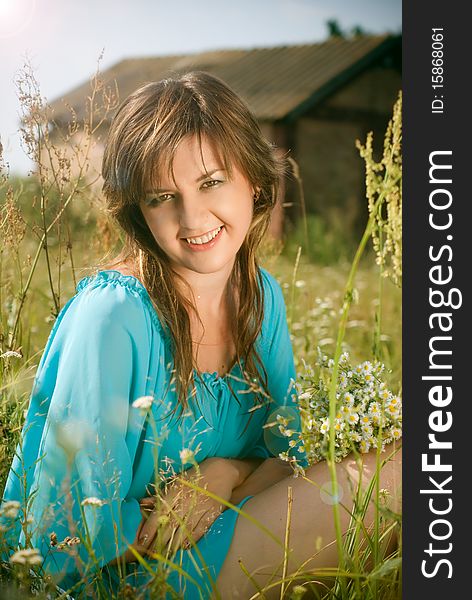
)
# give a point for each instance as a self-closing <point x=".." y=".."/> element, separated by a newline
<point x="215" y="379"/>
<point x="131" y="283"/>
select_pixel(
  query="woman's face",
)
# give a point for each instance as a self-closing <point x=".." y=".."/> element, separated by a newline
<point x="199" y="221"/>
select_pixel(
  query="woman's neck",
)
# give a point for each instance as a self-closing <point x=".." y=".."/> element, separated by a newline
<point x="210" y="290"/>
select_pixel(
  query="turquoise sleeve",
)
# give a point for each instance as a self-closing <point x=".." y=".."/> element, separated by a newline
<point x="277" y="353"/>
<point x="81" y="431"/>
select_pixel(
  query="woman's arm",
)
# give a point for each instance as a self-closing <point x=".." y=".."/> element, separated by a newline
<point x="244" y="467"/>
<point x="218" y="475"/>
<point x="271" y="471"/>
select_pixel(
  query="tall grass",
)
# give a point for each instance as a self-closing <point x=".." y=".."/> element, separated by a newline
<point x="53" y="227"/>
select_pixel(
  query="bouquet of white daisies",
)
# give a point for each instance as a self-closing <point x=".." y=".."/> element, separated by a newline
<point x="367" y="412"/>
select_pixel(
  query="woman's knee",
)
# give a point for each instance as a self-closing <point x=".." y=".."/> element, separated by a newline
<point x="351" y="472"/>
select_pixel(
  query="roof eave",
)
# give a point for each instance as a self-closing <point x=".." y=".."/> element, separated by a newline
<point x="344" y="77"/>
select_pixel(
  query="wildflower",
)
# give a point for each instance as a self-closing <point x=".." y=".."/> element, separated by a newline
<point x="28" y="556"/>
<point x="325" y="426"/>
<point x="376" y="420"/>
<point x="187" y="456"/>
<point x="298" y="591"/>
<point x="10" y="509"/>
<point x="68" y="542"/>
<point x="349" y="398"/>
<point x="364" y="446"/>
<point x="143" y="403"/>
<point x="282" y="420"/>
<point x="11" y="354"/>
<point x="353" y="418"/>
<point x="396" y="433"/>
<point x="92" y="501"/>
<point x="392" y="408"/>
<point x="374" y="408"/>
<point x="384" y="195"/>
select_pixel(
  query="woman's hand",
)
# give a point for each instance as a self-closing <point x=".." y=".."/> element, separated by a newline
<point x="197" y="510"/>
<point x="271" y="471"/>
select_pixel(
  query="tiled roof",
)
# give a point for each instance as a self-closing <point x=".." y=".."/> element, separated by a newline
<point x="276" y="82"/>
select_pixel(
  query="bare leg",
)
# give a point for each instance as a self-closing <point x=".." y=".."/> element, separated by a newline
<point x="312" y="531"/>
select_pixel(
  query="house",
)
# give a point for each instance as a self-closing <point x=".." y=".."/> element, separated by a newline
<point x="313" y="100"/>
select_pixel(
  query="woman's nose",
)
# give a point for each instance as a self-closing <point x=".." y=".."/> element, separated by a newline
<point x="193" y="212"/>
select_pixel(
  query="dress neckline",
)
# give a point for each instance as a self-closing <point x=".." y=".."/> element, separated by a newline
<point x="135" y="283"/>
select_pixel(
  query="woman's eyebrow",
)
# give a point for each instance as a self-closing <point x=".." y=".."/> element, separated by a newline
<point x="201" y="178"/>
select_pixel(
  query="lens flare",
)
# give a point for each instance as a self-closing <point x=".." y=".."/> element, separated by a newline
<point x="15" y="16"/>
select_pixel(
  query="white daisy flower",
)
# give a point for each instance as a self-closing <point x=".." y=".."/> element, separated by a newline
<point x="92" y="501"/>
<point x="349" y="398"/>
<point x="352" y="418"/>
<point x="143" y="403"/>
<point x="324" y="426"/>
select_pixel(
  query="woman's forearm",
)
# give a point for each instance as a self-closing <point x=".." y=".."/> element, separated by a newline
<point x="225" y="472"/>
<point x="270" y="471"/>
<point x="245" y="467"/>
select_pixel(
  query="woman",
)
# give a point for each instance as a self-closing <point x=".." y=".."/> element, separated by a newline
<point x="184" y="320"/>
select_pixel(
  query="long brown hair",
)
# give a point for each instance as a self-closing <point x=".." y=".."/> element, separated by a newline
<point x="142" y="142"/>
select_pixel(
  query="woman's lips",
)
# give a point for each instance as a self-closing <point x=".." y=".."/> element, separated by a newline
<point x="205" y="246"/>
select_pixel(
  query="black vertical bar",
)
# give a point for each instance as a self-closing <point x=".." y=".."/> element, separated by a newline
<point x="436" y="120"/>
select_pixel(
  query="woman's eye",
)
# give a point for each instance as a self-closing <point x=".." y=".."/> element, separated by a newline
<point x="156" y="200"/>
<point x="211" y="183"/>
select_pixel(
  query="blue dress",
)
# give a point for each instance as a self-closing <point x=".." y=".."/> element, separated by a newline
<point x="83" y="438"/>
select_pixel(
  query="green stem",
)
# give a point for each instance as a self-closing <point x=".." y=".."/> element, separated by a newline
<point x="377" y="349"/>
<point x="294" y="277"/>
<point x="334" y="378"/>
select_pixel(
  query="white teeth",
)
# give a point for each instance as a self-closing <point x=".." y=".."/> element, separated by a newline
<point x="205" y="238"/>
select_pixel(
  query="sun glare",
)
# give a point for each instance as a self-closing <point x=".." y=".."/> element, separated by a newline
<point x="5" y="7"/>
<point x="15" y="16"/>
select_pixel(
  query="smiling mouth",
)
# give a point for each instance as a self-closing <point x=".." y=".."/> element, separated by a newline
<point x="204" y="239"/>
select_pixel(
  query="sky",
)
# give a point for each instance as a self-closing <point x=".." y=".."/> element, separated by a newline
<point x="62" y="39"/>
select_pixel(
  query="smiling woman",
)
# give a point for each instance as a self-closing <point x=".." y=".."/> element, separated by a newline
<point x="15" y="16"/>
<point x="201" y="212"/>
